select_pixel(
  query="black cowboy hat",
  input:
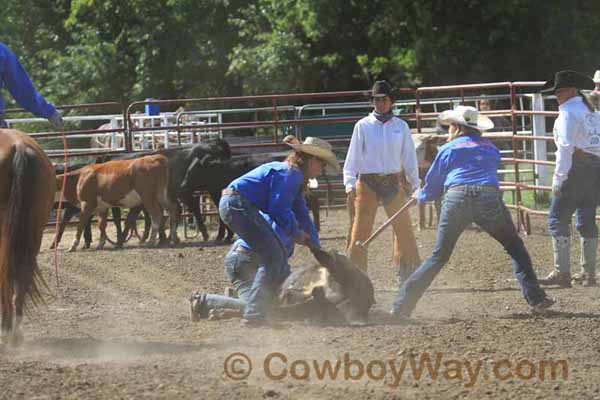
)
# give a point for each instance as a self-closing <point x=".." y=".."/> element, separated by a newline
<point x="382" y="89"/>
<point x="567" y="78"/>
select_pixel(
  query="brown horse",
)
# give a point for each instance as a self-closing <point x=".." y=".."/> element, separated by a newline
<point x="27" y="186"/>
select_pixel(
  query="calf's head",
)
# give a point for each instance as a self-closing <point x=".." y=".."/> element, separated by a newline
<point x="333" y="290"/>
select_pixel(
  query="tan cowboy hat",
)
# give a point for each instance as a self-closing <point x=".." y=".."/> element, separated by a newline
<point x="596" y="78"/>
<point x="466" y="116"/>
<point x="315" y="147"/>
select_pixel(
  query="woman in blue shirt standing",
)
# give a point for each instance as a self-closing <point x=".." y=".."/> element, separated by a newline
<point x="274" y="189"/>
<point x="465" y="168"/>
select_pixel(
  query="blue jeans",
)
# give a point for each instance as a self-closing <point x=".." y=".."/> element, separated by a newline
<point x="243" y="217"/>
<point x="579" y="193"/>
<point x="461" y="206"/>
<point x="3" y="124"/>
<point x="240" y="266"/>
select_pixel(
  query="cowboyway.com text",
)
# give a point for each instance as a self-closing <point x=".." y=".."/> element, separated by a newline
<point x="397" y="371"/>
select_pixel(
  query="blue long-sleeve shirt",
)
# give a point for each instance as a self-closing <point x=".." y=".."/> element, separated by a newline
<point x="14" y="77"/>
<point x="275" y="188"/>
<point x="466" y="160"/>
<point x="306" y="224"/>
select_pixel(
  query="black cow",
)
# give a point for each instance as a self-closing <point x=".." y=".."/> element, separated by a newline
<point x="212" y="176"/>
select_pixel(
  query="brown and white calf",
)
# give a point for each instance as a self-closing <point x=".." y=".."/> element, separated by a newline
<point x="120" y="183"/>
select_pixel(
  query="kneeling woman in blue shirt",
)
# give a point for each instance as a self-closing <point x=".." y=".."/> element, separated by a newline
<point x="465" y="168"/>
<point x="275" y="189"/>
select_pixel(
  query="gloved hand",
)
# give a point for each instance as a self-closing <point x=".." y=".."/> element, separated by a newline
<point x="303" y="239"/>
<point x="556" y="187"/>
<point x="56" y="121"/>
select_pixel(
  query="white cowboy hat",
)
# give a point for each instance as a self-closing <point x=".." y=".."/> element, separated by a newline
<point x="466" y="116"/>
<point x="596" y="77"/>
<point x="315" y="147"/>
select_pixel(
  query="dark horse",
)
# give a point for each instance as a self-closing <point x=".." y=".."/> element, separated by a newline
<point x="27" y="187"/>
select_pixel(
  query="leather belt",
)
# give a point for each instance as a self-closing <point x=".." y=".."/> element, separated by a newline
<point x="483" y="188"/>
<point x="578" y="153"/>
<point x="242" y="249"/>
<point x="230" y="192"/>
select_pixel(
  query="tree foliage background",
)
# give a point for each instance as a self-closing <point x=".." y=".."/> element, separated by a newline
<point x="96" y="50"/>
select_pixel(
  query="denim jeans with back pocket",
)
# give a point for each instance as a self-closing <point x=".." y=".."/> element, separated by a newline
<point x="461" y="206"/>
<point x="244" y="218"/>
<point x="241" y="265"/>
<point x="580" y="193"/>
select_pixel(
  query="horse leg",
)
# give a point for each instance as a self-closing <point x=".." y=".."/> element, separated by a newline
<point x="87" y="235"/>
<point x="70" y="211"/>
<point x="102" y="221"/>
<point x="6" y="326"/>
<point x="19" y="300"/>
<point x="116" y="213"/>
<point x="87" y="208"/>
<point x="147" y="226"/>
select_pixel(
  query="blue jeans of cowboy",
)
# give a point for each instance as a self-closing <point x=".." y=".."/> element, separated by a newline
<point x="579" y="192"/>
<point x="244" y="218"/>
<point x="461" y="206"/>
<point x="240" y="266"/>
<point x="3" y="124"/>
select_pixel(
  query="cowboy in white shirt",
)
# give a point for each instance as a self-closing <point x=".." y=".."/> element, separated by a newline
<point x="576" y="181"/>
<point x="381" y="150"/>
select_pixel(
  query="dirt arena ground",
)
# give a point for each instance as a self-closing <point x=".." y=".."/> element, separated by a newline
<point x="118" y="327"/>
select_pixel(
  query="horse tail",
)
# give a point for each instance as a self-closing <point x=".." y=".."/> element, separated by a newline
<point x="18" y="264"/>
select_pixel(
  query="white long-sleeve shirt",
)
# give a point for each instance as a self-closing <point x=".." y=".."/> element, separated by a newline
<point x="575" y="128"/>
<point x="381" y="148"/>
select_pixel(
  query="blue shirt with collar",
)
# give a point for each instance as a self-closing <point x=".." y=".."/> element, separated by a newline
<point x="14" y="77"/>
<point x="275" y="189"/>
<point x="467" y="160"/>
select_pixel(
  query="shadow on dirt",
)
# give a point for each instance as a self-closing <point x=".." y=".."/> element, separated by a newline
<point x="552" y="314"/>
<point x="105" y="350"/>
<point x="472" y="290"/>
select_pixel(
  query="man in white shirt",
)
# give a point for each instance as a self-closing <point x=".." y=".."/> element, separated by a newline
<point x="380" y="152"/>
<point x="576" y="181"/>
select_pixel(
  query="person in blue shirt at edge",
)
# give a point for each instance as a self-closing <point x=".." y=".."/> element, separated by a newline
<point x="576" y="180"/>
<point x="14" y="77"/>
<point x="274" y="190"/>
<point x="465" y="169"/>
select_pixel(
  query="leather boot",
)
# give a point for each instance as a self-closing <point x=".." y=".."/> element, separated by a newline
<point x="561" y="275"/>
<point x="587" y="275"/>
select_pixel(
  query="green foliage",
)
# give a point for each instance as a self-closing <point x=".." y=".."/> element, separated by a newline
<point x="97" y="50"/>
